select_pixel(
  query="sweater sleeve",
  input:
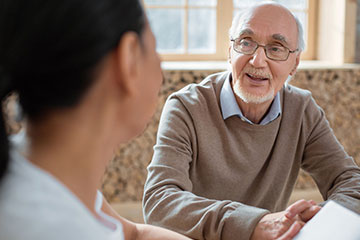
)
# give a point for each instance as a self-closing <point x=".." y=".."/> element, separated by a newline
<point x="168" y="199"/>
<point x="334" y="171"/>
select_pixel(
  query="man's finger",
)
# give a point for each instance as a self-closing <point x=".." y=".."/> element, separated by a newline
<point x="298" y="207"/>
<point x="292" y="231"/>
<point x="309" y="213"/>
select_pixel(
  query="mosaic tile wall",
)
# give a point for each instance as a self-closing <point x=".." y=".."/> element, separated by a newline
<point x="336" y="91"/>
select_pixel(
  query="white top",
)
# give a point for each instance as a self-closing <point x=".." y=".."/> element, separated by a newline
<point x="34" y="205"/>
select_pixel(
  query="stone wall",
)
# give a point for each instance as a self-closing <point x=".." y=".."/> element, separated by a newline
<point x="337" y="91"/>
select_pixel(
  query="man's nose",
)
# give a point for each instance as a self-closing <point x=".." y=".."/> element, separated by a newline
<point x="259" y="59"/>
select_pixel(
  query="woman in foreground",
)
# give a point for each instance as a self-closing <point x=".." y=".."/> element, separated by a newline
<point x="87" y="76"/>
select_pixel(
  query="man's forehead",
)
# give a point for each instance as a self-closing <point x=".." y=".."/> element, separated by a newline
<point x="277" y="25"/>
<point x="275" y="36"/>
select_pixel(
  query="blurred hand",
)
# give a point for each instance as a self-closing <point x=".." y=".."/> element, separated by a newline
<point x="303" y="210"/>
<point x="285" y="225"/>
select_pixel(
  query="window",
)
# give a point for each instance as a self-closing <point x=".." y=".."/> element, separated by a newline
<point x="198" y="29"/>
<point x="185" y="29"/>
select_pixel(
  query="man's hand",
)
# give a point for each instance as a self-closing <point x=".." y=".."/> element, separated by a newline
<point x="285" y="225"/>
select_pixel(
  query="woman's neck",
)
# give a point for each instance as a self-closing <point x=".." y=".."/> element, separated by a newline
<point x="75" y="145"/>
<point x="72" y="155"/>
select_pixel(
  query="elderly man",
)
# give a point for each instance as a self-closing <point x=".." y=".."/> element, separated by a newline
<point x="229" y="149"/>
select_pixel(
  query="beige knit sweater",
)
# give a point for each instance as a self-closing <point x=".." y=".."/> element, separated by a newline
<point x="215" y="179"/>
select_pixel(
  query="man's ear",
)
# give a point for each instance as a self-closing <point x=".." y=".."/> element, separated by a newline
<point x="127" y="54"/>
<point x="229" y="54"/>
<point x="297" y="61"/>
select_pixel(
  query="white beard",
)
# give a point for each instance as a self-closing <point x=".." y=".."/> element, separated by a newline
<point x="252" y="98"/>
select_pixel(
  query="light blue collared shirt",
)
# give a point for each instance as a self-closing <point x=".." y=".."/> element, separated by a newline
<point x="229" y="106"/>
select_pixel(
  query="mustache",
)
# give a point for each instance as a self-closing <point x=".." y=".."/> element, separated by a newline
<point x="257" y="72"/>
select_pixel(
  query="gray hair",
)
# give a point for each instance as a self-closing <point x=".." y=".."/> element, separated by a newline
<point x="244" y="16"/>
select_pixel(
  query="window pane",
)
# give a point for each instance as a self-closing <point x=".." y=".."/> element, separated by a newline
<point x="244" y="3"/>
<point x="294" y="4"/>
<point x="206" y="3"/>
<point x="165" y="2"/>
<point x="202" y="30"/>
<point x="167" y="25"/>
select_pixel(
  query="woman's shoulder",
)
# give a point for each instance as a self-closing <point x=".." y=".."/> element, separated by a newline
<point x="34" y="205"/>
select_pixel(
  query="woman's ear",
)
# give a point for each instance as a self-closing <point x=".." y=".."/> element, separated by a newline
<point x="128" y="56"/>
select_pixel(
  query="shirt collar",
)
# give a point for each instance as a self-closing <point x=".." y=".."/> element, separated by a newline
<point x="229" y="106"/>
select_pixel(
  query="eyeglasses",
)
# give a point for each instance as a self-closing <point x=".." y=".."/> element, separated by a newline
<point x="275" y="52"/>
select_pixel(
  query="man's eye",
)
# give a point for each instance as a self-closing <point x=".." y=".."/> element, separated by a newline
<point x="245" y="43"/>
<point x="276" y="48"/>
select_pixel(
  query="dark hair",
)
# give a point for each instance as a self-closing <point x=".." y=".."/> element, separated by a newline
<point x="49" y="51"/>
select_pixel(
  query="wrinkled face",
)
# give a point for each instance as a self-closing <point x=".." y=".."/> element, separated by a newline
<point x="256" y="78"/>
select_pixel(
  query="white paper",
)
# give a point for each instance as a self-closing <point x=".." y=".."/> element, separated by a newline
<point x="332" y="222"/>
